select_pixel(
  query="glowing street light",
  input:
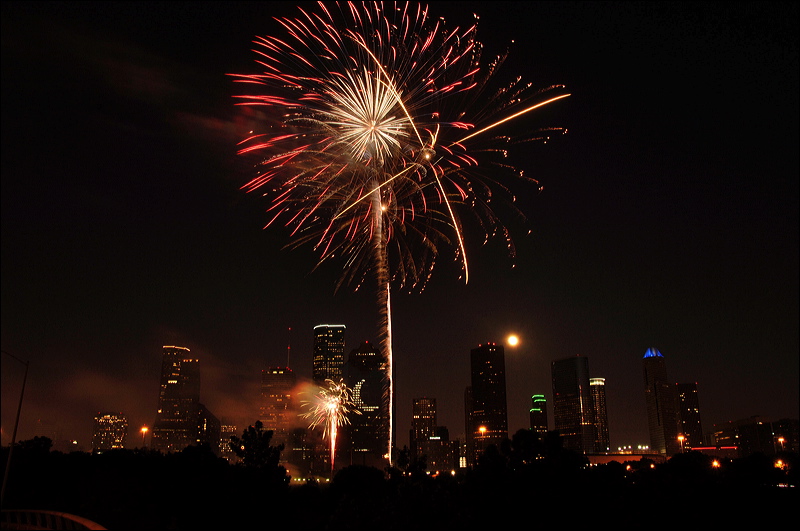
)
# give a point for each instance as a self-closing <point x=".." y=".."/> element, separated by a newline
<point x="144" y="434"/>
<point x="681" y="438"/>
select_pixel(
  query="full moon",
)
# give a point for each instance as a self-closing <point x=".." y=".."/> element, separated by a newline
<point x="513" y="340"/>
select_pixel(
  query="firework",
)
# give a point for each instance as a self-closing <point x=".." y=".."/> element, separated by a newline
<point x="386" y="128"/>
<point x="330" y="408"/>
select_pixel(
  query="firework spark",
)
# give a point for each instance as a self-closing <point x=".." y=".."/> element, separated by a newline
<point x="382" y="142"/>
<point x="330" y="408"/>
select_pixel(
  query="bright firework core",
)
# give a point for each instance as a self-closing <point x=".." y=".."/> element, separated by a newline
<point x="392" y="131"/>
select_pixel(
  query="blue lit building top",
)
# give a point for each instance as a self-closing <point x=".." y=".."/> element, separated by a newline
<point x="652" y="353"/>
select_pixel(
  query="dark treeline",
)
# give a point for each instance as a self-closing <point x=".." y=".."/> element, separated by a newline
<point x="523" y="482"/>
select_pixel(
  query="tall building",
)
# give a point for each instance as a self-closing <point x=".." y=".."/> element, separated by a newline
<point x="573" y="409"/>
<point x="598" y="387"/>
<point x="439" y="453"/>
<point x="538" y="415"/>
<point x="423" y="423"/>
<point x="277" y="387"/>
<point x="365" y="374"/>
<point x="328" y="353"/>
<point x="488" y="417"/>
<point x="689" y="415"/>
<point x="181" y="419"/>
<point x="110" y="432"/>
<point x="662" y="418"/>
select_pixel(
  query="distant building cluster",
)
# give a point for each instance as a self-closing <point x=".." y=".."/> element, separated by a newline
<point x="579" y="414"/>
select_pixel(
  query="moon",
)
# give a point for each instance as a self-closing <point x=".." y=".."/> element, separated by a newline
<point x="513" y="340"/>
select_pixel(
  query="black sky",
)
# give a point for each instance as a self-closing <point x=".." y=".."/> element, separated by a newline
<point x="669" y="216"/>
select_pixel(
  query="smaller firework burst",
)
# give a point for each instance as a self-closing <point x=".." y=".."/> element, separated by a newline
<point x="330" y="408"/>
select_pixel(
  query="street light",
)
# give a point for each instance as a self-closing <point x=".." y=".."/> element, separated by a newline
<point x="16" y="424"/>
<point x="144" y="434"/>
<point x="681" y="438"/>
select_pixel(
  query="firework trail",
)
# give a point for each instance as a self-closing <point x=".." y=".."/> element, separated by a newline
<point x="385" y="129"/>
<point x="330" y="408"/>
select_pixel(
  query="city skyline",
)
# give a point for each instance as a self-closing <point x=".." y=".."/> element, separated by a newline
<point x="668" y="217"/>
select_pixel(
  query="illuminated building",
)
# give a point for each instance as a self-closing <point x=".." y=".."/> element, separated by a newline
<point x="110" y="432"/>
<point x="365" y="373"/>
<point x="689" y="415"/>
<point x="423" y="423"/>
<point x="227" y="431"/>
<point x="438" y="452"/>
<point x="662" y="418"/>
<point x="757" y="434"/>
<point x="573" y="409"/>
<point x="328" y="353"/>
<point x="181" y="419"/>
<point x="277" y="386"/>
<point x="538" y="415"/>
<point x="598" y="387"/>
<point x="488" y="409"/>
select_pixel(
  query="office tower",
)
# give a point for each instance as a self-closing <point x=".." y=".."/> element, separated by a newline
<point x="573" y="409"/>
<point x="538" y="415"/>
<point x="227" y="430"/>
<point x="365" y="373"/>
<point x="181" y="419"/>
<point x="110" y="432"/>
<point x="598" y="387"/>
<point x="689" y="415"/>
<point x="277" y="408"/>
<point x="328" y="353"/>
<point x="423" y="423"/>
<point x="489" y="413"/>
<point x="753" y="435"/>
<point x="787" y="435"/>
<point x="662" y="419"/>
<point x="207" y="428"/>
<point x="438" y="452"/>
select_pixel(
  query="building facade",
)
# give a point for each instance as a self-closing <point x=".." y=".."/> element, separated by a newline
<point x="488" y="408"/>
<point x="538" y="416"/>
<point x="423" y="423"/>
<point x="181" y="420"/>
<point x="110" y="432"/>
<point x="277" y="407"/>
<point x="602" y="442"/>
<point x="573" y="407"/>
<point x="688" y="408"/>
<point x="365" y="374"/>
<point x="328" y="353"/>
<point x="662" y="417"/>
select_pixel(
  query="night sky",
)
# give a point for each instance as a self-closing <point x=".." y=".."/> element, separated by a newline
<point x="668" y="219"/>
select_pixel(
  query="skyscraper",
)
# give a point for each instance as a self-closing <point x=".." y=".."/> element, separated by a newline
<point x="328" y="353"/>
<point x="423" y="423"/>
<point x="277" y="386"/>
<point x="689" y="415"/>
<point x="488" y="405"/>
<point x="662" y="419"/>
<point x="181" y="419"/>
<point x="573" y="407"/>
<point x="539" y="415"/>
<point x="110" y="432"/>
<point x="602" y="442"/>
<point x="368" y="433"/>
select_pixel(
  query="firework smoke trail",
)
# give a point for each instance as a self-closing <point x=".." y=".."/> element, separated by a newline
<point x="330" y="408"/>
<point x="383" y="130"/>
